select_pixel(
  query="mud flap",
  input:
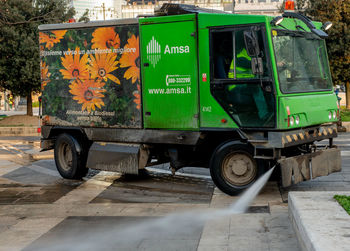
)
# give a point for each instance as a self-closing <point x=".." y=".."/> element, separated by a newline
<point x="309" y="166"/>
<point x="123" y="158"/>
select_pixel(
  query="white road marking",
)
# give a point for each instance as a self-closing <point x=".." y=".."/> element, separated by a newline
<point x="345" y="153"/>
<point x="86" y="191"/>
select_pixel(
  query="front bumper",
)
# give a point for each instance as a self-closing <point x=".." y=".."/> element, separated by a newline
<point x="301" y="136"/>
<point x="309" y="166"/>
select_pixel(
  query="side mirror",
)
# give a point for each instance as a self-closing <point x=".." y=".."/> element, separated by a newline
<point x="251" y="43"/>
<point x="257" y="66"/>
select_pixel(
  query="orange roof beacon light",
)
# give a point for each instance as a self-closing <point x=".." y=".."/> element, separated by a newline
<point x="289" y="5"/>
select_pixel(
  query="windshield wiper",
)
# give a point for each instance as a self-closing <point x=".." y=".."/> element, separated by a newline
<point x="300" y="27"/>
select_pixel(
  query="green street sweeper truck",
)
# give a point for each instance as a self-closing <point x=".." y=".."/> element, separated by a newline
<point x="237" y="94"/>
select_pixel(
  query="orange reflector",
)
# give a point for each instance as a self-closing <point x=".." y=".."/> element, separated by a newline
<point x="288" y="111"/>
<point x="223" y="121"/>
<point x="39" y="129"/>
<point x="289" y="5"/>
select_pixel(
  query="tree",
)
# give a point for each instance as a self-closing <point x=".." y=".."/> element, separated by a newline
<point x="338" y="42"/>
<point x="19" y="42"/>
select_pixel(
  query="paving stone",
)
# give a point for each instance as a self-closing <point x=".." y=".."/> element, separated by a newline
<point x="157" y="188"/>
<point x="6" y="222"/>
<point x="109" y="233"/>
<point x="26" y="175"/>
<point x="173" y="245"/>
<point x="4" y="163"/>
<point x="24" y="232"/>
<point x="215" y="234"/>
<point x="8" y="167"/>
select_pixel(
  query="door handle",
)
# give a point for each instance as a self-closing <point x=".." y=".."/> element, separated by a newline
<point x="146" y="64"/>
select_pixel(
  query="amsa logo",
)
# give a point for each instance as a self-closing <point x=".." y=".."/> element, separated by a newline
<point x="153" y="47"/>
<point x="154" y="50"/>
<point x="176" y="49"/>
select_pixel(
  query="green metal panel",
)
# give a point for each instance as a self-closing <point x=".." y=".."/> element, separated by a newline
<point x="211" y="112"/>
<point x="206" y="20"/>
<point x="312" y="109"/>
<point x="169" y="74"/>
<point x="167" y="19"/>
<point x="212" y="115"/>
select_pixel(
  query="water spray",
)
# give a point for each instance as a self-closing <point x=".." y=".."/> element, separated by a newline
<point x="171" y="224"/>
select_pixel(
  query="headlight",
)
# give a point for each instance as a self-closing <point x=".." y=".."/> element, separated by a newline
<point x="291" y="120"/>
<point x="334" y="114"/>
<point x="297" y="120"/>
<point x="330" y="115"/>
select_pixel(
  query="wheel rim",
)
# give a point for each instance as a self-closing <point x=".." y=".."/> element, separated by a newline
<point x="65" y="156"/>
<point x="238" y="169"/>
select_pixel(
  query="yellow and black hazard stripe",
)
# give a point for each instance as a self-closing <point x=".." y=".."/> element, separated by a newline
<point x="299" y="137"/>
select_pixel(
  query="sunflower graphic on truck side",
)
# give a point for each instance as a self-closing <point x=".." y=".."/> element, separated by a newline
<point x="94" y="76"/>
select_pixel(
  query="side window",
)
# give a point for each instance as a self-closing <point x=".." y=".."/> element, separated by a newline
<point x="222" y="51"/>
<point x="231" y="59"/>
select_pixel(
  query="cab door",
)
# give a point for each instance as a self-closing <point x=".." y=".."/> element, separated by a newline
<point x="241" y="77"/>
<point x="169" y="74"/>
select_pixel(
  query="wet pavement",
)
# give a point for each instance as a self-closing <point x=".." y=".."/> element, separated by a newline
<point x="104" y="236"/>
<point x="39" y="209"/>
<point x="157" y="188"/>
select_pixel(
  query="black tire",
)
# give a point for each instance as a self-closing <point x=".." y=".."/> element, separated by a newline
<point x="70" y="164"/>
<point x="233" y="168"/>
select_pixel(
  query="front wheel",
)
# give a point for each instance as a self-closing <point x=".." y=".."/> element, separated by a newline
<point x="70" y="164"/>
<point x="233" y="168"/>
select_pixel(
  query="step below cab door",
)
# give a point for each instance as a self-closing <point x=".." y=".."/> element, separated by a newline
<point x="169" y="73"/>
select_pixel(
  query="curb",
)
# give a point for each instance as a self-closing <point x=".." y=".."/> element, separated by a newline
<point x="19" y="131"/>
<point x="41" y="156"/>
<point x="346" y="125"/>
<point x="28" y="157"/>
<point x="319" y="221"/>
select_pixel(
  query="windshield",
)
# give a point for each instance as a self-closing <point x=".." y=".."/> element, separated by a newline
<point x="302" y="62"/>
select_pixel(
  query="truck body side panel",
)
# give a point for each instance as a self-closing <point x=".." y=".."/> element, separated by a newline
<point x="91" y="76"/>
<point x="169" y="74"/>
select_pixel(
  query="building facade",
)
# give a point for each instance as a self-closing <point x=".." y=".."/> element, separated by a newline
<point x="99" y="9"/>
<point x="134" y="8"/>
<point x="114" y="9"/>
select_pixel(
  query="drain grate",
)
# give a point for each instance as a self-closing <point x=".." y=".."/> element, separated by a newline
<point x="258" y="210"/>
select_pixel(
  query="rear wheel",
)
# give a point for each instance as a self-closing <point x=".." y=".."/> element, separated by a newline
<point x="70" y="164"/>
<point x="233" y="168"/>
